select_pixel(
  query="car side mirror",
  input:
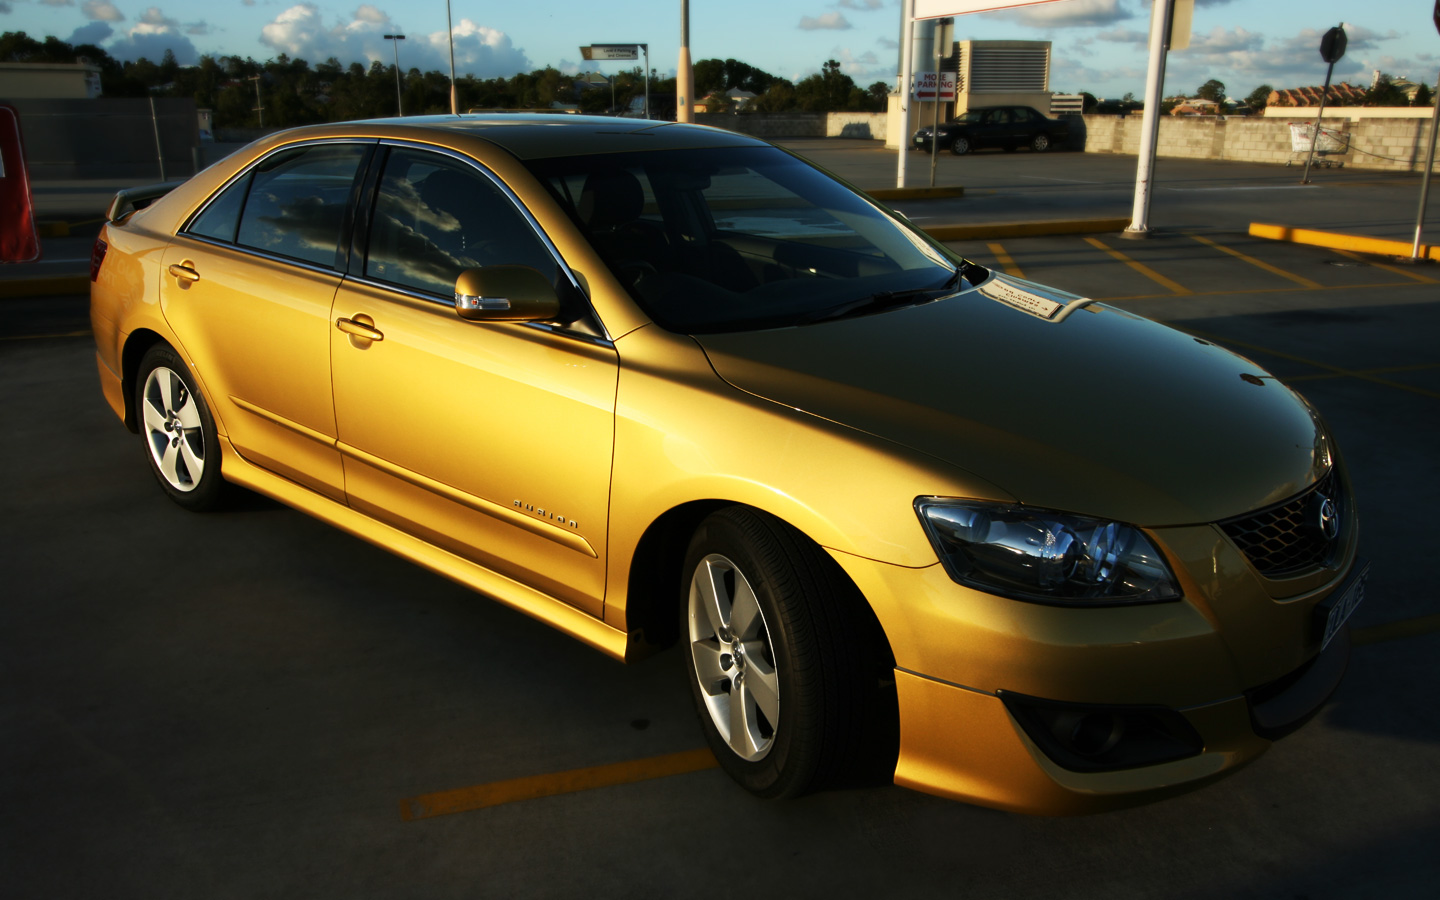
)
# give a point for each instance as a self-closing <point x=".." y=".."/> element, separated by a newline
<point x="505" y="294"/>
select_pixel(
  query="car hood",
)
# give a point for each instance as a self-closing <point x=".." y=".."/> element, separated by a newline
<point x="1103" y="413"/>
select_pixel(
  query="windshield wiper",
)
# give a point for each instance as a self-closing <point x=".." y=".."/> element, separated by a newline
<point x="882" y="300"/>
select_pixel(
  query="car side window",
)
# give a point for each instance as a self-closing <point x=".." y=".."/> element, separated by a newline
<point x="1000" y="117"/>
<point x="221" y="218"/>
<point x="1021" y="115"/>
<point x="297" y="201"/>
<point x="436" y="216"/>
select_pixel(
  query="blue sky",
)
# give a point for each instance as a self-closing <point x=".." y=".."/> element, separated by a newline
<point x="1098" y="45"/>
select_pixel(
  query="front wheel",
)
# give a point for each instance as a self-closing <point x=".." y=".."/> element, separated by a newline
<point x="960" y="146"/>
<point x="1040" y="143"/>
<point x="180" y="438"/>
<point x="783" y="670"/>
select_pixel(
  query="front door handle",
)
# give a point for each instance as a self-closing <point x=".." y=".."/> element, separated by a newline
<point x="361" y="327"/>
<point x="185" y="272"/>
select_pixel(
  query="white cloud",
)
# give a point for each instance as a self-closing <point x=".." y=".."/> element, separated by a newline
<point x="863" y="5"/>
<point x="101" y="11"/>
<point x="301" y="32"/>
<point x="1119" y="35"/>
<point x="863" y="68"/>
<point x="831" y="21"/>
<point x="1064" y="15"/>
<point x="58" y="2"/>
<point x="94" y="33"/>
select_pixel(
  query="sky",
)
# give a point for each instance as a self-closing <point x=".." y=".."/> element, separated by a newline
<point x="1099" y="46"/>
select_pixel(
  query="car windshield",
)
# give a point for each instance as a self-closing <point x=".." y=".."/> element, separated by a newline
<point x="724" y="240"/>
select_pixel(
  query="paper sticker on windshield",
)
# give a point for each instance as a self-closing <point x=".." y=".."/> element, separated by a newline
<point x="1034" y="304"/>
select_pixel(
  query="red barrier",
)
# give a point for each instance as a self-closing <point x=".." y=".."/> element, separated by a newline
<point x="18" y="240"/>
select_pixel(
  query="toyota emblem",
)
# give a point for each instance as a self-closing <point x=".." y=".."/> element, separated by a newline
<point x="1329" y="517"/>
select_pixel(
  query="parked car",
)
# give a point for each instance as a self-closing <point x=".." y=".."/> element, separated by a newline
<point x="658" y="383"/>
<point x="1006" y="127"/>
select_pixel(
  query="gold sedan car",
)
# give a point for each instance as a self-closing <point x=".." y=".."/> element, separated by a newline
<point x="652" y="382"/>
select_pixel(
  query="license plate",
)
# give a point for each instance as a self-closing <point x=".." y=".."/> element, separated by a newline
<point x="1340" y="607"/>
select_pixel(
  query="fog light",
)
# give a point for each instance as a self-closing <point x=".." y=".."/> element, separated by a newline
<point x="1091" y="738"/>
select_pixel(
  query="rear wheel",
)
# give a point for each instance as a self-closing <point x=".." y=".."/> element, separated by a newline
<point x="179" y="433"/>
<point x="1040" y="143"/>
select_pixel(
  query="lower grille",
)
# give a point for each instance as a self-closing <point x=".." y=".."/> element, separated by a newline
<point x="1288" y="539"/>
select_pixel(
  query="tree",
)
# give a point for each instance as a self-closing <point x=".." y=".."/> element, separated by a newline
<point x="1423" y="97"/>
<point x="1212" y="90"/>
<point x="879" y="93"/>
<point x="1259" y="98"/>
<point x="1088" y="102"/>
<point x="1385" y="93"/>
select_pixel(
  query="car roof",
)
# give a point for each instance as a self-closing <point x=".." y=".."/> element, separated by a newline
<point x="540" y="135"/>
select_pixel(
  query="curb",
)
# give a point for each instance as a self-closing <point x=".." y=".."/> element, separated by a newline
<point x="1356" y="243"/>
<point x="43" y="286"/>
<point x="1025" y="229"/>
<point x="925" y="193"/>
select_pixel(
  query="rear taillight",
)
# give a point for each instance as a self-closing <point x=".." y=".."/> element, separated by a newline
<point x="97" y="256"/>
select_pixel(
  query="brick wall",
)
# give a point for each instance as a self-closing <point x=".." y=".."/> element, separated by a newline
<point x="1378" y="143"/>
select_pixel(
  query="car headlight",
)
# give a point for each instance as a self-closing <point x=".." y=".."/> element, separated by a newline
<point x="1042" y="556"/>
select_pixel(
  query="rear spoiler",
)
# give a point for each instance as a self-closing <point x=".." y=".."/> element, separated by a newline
<point x="131" y="199"/>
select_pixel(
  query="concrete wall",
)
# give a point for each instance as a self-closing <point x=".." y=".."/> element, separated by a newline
<point x="108" y="138"/>
<point x="1394" y="144"/>
<point x="768" y="125"/>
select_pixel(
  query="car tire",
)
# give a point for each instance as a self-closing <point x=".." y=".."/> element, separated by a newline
<point x="960" y="146"/>
<point x="178" y="431"/>
<point x="1040" y="143"/>
<point x="784" y="671"/>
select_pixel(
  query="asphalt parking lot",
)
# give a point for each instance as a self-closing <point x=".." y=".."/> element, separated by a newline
<point x="252" y="704"/>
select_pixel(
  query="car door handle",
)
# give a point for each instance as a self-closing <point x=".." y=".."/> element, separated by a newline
<point x="360" y="329"/>
<point x="185" y="272"/>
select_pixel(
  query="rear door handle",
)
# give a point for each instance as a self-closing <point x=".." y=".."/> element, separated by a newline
<point x="364" y="330"/>
<point x="185" y="272"/>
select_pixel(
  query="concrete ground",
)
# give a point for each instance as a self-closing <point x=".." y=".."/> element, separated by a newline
<point x="248" y="704"/>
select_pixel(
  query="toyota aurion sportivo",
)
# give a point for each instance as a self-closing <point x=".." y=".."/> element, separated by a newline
<point x="652" y="383"/>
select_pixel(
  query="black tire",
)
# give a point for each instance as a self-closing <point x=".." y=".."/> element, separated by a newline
<point x="1040" y="143"/>
<point x="960" y="145"/>
<point x="811" y="639"/>
<point x="178" y="431"/>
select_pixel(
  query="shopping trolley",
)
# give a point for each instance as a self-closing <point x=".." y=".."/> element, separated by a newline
<point x="1331" y="141"/>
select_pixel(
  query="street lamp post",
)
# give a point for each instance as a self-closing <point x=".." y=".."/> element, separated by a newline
<point x="450" y="33"/>
<point x="396" y="39"/>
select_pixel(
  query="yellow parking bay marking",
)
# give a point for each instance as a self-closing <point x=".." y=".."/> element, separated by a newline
<point x="1298" y="279"/>
<point x="1337" y="370"/>
<point x="444" y="803"/>
<point x="1005" y="261"/>
<point x="1140" y="267"/>
<point x="1236" y="292"/>
<point x="1408" y="273"/>
<point x="1391" y="631"/>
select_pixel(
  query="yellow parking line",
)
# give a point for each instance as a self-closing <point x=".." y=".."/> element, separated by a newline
<point x="1408" y="273"/>
<point x="480" y="796"/>
<point x="1141" y="268"/>
<point x="41" y="337"/>
<point x="1273" y="290"/>
<point x="1005" y="261"/>
<point x="1350" y="373"/>
<point x="1385" y="371"/>
<point x="1390" y="631"/>
<point x="1298" y="279"/>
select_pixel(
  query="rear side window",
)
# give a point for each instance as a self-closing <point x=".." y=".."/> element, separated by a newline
<point x="291" y="204"/>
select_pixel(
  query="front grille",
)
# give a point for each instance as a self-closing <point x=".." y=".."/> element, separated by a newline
<point x="1287" y="539"/>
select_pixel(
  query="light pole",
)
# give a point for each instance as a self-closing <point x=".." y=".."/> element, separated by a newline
<point x="450" y="33"/>
<point x="396" y="39"/>
<point x="259" y="107"/>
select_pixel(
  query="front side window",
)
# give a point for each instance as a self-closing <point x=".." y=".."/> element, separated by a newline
<point x="738" y="239"/>
<point x="436" y="216"/>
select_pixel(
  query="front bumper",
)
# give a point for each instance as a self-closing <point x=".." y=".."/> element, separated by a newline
<point x="1237" y="667"/>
